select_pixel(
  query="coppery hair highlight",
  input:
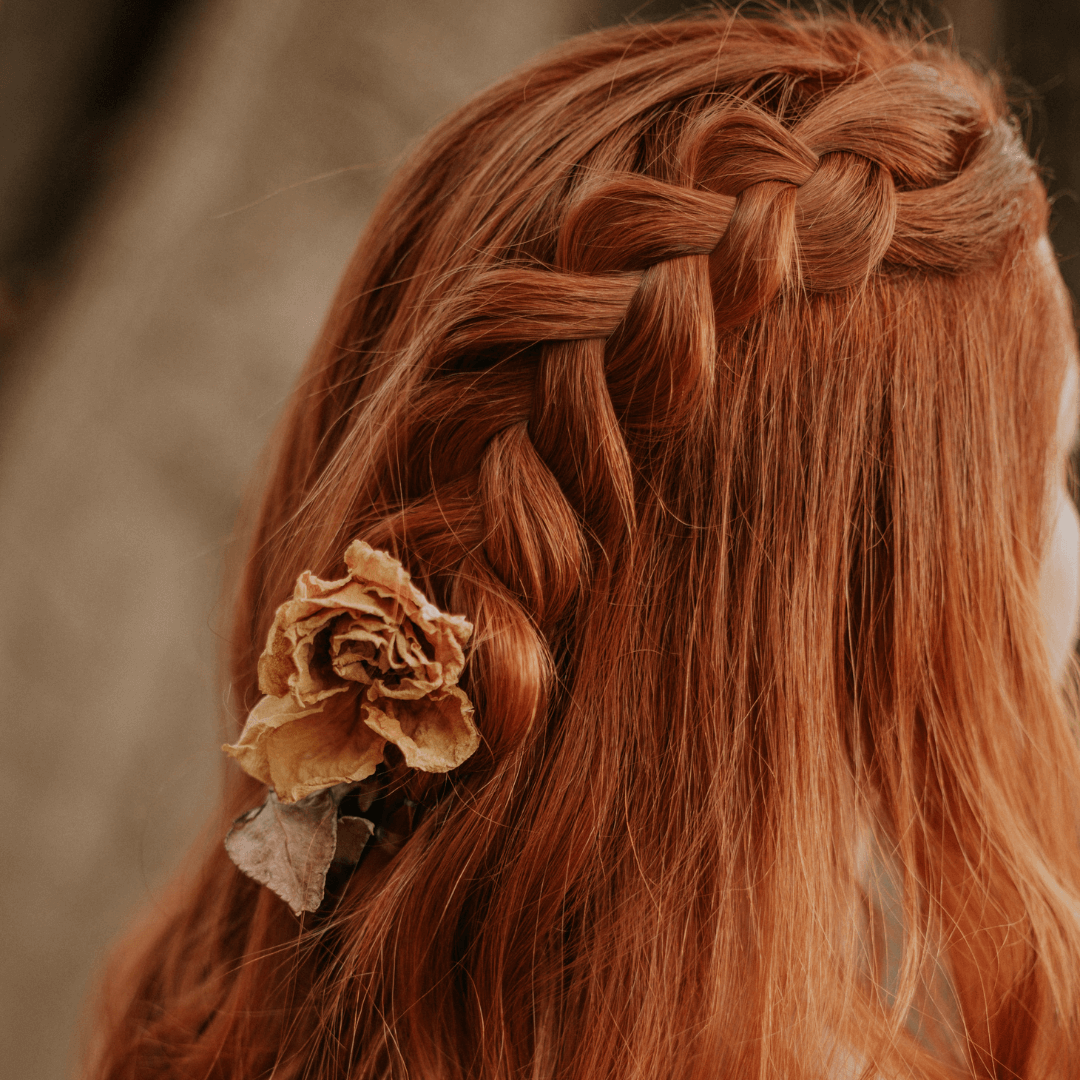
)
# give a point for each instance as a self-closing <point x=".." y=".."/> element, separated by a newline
<point x="707" y="367"/>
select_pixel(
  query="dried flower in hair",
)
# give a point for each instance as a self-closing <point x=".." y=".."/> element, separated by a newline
<point x="374" y="632"/>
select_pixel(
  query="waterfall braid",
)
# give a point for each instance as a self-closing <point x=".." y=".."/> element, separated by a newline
<point x="707" y="368"/>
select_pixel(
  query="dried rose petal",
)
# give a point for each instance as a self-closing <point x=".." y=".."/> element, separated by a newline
<point x="435" y="734"/>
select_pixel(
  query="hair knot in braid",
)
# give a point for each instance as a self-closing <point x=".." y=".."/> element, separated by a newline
<point x="818" y="200"/>
<point x="861" y="178"/>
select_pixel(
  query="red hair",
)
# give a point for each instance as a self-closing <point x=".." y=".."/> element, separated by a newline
<point x="708" y="368"/>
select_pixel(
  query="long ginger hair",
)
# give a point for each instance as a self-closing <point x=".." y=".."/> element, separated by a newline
<point x="709" y="369"/>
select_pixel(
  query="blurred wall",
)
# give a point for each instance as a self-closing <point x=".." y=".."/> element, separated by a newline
<point x="69" y="70"/>
<point x="133" y="409"/>
<point x="133" y="415"/>
<point x="1040" y="43"/>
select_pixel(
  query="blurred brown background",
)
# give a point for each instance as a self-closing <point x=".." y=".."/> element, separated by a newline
<point x="181" y="182"/>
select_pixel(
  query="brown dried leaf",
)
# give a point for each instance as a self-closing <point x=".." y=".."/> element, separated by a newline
<point x="353" y="834"/>
<point x="288" y="847"/>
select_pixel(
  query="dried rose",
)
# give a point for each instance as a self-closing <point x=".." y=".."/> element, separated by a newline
<point x="372" y="630"/>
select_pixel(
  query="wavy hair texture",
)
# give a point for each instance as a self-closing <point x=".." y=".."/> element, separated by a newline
<point x="709" y="369"/>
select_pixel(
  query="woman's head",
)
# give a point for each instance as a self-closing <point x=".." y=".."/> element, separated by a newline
<point x="709" y="369"/>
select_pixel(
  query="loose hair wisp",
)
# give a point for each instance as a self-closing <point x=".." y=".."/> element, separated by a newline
<point x="706" y="368"/>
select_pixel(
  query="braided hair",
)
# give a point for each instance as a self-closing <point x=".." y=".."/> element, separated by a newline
<point x="707" y="367"/>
